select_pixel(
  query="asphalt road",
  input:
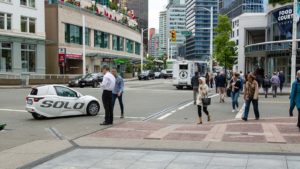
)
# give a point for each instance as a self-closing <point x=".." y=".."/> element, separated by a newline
<point x="154" y="100"/>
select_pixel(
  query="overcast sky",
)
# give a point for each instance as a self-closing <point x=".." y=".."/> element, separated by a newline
<point x="155" y="6"/>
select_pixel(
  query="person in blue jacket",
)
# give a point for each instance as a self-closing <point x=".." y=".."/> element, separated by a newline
<point x="295" y="96"/>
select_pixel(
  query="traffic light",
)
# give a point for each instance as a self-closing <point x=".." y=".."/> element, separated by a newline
<point x="173" y="35"/>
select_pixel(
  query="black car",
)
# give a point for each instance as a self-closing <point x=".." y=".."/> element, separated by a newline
<point x="146" y="75"/>
<point x="75" y="82"/>
<point x="92" y="79"/>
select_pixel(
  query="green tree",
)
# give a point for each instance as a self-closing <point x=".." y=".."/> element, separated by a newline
<point x="224" y="49"/>
<point x="274" y="2"/>
<point x="150" y="65"/>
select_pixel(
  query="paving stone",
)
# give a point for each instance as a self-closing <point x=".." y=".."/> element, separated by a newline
<point x="185" y="136"/>
<point x="194" y="158"/>
<point x="244" y="138"/>
<point x="293" y="158"/>
<point x="263" y="163"/>
<point x="148" y="165"/>
<point x="292" y="139"/>
<point x="223" y="167"/>
<point x="142" y="125"/>
<point x="293" y="164"/>
<point x="178" y="165"/>
<point x="133" y="134"/>
<point x="244" y="156"/>
<point x="113" y="164"/>
<point x="158" y="157"/>
<point x="228" y="161"/>
<point x="288" y="128"/>
<point x="253" y="128"/>
<point x="195" y="128"/>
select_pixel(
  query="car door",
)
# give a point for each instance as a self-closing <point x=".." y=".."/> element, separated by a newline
<point x="71" y="105"/>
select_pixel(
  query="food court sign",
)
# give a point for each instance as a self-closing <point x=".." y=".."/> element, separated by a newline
<point x="284" y="18"/>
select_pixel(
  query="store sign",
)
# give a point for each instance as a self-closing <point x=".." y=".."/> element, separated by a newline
<point x="62" y="57"/>
<point x="106" y="59"/>
<point x="284" y="18"/>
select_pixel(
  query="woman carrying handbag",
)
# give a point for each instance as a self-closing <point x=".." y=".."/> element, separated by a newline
<point x="203" y="101"/>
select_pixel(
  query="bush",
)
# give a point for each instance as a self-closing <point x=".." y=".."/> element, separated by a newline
<point x="128" y="68"/>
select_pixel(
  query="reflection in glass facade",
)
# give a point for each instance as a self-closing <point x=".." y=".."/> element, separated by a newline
<point x="5" y="57"/>
<point x="137" y="48"/>
<point x="118" y="43"/>
<point x="129" y="46"/>
<point x="28" y="56"/>
<point x="198" y="22"/>
<point x="101" y="39"/>
<point x="238" y="7"/>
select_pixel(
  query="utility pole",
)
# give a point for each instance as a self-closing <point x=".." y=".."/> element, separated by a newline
<point x="294" y="43"/>
<point x="83" y="46"/>
<point x="211" y="37"/>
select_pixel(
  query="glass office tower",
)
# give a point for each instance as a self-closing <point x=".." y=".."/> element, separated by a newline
<point x="198" y="23"/>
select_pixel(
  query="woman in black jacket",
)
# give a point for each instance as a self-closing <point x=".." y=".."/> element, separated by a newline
<point x="235" y="85"/>
<point x="266" y="85"/>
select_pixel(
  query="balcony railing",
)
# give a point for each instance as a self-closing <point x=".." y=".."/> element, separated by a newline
<point x="270" y="46"/>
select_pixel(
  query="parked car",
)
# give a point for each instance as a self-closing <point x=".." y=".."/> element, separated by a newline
<point x="57" y="100"/>
<point x="167" y="73"/>
<point x="146" y="75"/>
<point x="157" y="75"/>
<point x="75" y="82"/>
<point x="92" y="79"/>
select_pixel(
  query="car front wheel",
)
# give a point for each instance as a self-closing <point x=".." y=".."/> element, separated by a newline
<point x="93" y="108"/>
<point x="37" y="116"/>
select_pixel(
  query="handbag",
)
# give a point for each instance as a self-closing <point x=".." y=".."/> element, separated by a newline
<point x="206" y="101"/>
<point x="228" y="92"/>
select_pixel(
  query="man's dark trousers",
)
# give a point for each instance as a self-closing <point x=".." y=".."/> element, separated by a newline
<point x="107" y="103"/>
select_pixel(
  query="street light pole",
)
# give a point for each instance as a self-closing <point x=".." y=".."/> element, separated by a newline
<point x="83" y="46"/>
<point x="142" y="52"/>
<point x="294" y="43"/>
<point x="211" y="37"/>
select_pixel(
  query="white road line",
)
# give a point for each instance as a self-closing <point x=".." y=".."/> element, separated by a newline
<point x="12" y="110"/>
<point x="181" y="108"/>
<point x="101" y="115"/>
<point x="165" y="116"/>
<point x="240" y="113"/>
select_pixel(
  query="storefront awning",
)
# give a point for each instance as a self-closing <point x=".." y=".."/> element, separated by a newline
<point x="112" y="56"/>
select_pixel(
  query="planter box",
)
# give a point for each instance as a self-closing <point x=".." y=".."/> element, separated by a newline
<point x="128" y="75"/>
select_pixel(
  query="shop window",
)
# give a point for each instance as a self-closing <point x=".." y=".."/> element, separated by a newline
<point x="101" y="39"/>
<point x="28" y="57"/>
<point x="129" y="46"/>
<point x="118" y="43"/>
<point x="5" y="57"/>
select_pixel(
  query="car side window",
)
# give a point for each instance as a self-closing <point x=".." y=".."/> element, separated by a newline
<point x="65" y="92"/>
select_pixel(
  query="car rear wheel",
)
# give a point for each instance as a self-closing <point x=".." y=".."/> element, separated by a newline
<point x="93" y="108"/>
<point x="179" y="87"/>
<point x="38" y="116"/>
<point x="95" y="84"/>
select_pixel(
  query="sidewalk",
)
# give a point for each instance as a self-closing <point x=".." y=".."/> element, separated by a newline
<point x="278" y="135"/>
<point x="132" y="159"/>
<point x="30" y="86"/>
<point x="265" y="144"/>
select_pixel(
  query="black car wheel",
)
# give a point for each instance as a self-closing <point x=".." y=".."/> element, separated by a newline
<point x="93" y="108"/>
<point x="38" y="116"/>
<point x="179" y="87"/>
<point x="95" y="84"/>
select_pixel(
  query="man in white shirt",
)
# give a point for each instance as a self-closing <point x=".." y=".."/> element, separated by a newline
<point x="108" y="85"/>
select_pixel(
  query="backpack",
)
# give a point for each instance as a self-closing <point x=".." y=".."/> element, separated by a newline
<point x="267" y="82"/>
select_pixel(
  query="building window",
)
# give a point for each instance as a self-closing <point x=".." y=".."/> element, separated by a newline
<point x="87" y="36"/>
<point x="31" y="25"/>
<point x="237" y="32"/>
<point x="73" y="34"/>
<point x="27" y="24"/>
<point x="29" y="3"/>
<point x="118" y="43"/>
<point x="101" y="39"/>
<point x="5" y="59"/>
<point x="137" y="48"/>
<point x="28" y="57"/>
<point x="129" y="46"/>
<point x="5" y="21"/>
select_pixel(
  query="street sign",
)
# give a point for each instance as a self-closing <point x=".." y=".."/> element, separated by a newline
<point x="186" y="33"/>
